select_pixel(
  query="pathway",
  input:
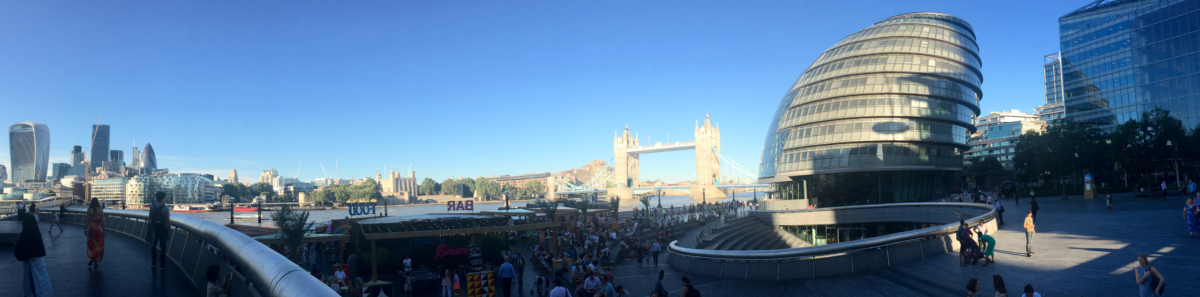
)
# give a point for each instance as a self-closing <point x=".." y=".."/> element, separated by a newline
<point x="125" y="271"/>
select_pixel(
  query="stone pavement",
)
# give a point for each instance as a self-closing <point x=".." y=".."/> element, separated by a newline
<point x="125" y="270"/>
<point x="1080" y="252"/>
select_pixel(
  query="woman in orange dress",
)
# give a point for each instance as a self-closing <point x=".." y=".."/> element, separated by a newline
<point x="95" y="233"/>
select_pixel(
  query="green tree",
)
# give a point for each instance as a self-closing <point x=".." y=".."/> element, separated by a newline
<point x="265" y="190"/>
<point x="550" y="208"/>
<point x="1140" y="146"/>
<point x="534" y="188"/>
<point x="645" y="200"/>
<point x="428" y="187"/>
<point x="470" y="183"/>
<point x="292" y="227"/>
<point x="984" y="166"/>
<point x="449" y="187"/>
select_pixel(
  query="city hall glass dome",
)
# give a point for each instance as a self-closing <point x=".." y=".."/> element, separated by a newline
<point x="881" y="116"/>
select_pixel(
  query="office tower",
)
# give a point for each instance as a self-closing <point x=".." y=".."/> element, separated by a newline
<point x="881" y="117"/>
<point x="29" y="146"/>
<point x="77" y="155"/>
<point x="1122" y="58"/>
<point x="3" y="173"/>
<point x="59" y="170"/>
<point x="136" y="159"/>
<point x="233" y="175"/>
<point x="149" y="163"/>
<point x="1053" y="109"/>
<point x="99" y="153"/>
<point x="116" y="158"/>
<point x="267" y="176"/>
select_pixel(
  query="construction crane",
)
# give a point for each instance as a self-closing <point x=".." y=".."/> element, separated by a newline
<point x="326" y="174"/>
<point x="297" y="177"/>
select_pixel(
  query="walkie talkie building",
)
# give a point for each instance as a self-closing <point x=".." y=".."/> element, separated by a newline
<point x="882" y="116"/>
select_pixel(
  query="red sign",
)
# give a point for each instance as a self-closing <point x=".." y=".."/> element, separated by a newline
<point x="444" y="250"/>
<point x="460" y="205"/>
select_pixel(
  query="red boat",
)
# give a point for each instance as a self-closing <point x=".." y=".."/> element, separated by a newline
<point x="245" y="208"/>
<point x="190" y="208"/>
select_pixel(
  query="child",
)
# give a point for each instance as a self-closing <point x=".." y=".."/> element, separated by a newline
<point x="53" y="223"/>
<point x="215" y="290"/>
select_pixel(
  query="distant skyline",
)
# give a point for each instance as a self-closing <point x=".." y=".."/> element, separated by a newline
<point x="451" y="87"/>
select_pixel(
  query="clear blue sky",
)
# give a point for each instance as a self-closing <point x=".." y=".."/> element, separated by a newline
<point x="452" y="87"/>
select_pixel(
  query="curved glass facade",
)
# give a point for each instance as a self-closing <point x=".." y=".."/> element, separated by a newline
<point x="898" y="96"/>
<point x="29" y="146"/>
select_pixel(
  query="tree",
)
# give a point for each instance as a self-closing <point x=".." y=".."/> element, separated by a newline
<point x="265" y="190"/>
<point x="984" y="166"/>
<point x="470" y="183"/>
<point x="646" y="203"/>
<point x="292" y="227"/>
<point x="582" y="206"/>
<point x="428" y="187"/>
<point x="534" y="188"/>
<point x="1140" y="146"/>
<point x="449" y="187"/>
<point x="550" y="208"/>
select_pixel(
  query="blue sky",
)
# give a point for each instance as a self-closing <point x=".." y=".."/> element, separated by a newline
<point x="452" y="87"/>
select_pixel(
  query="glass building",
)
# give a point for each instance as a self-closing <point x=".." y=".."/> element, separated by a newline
<point x="1054" y="92"/>
<point x="1123" y="57"/>
<point x="29" y="149"/>
<point x="99" y="154"/>
<point x="182" y="188"/>
<point x="109" y="189"/>
<point x="148" y="163"/>
<point x="882" y="116"/>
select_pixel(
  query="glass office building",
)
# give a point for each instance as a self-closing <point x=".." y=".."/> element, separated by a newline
<point x="29" y="149"/>
<point x="882" y="116"/>
<point x="1123" y="57"/>
<point x="1054" y="92"/>
<point x="182" y="188"/>
<point x="99" y="154"/>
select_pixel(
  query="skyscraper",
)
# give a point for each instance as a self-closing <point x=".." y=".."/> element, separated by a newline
<point x="880" y="117"/>
<point x="233" y="175"/>
<point x="1124" y="57"/>
<point x="149" y="163"/>
<point x="3" y="173"/>
<point x="77" y="165"/>
<point x="116" y="158"/>
<point x="1054" y="92"/>
<point x="99" y="153"/>
<point x="29" y="146"/>
<point x="136" y="159"/>
<point x="59" y="170"/>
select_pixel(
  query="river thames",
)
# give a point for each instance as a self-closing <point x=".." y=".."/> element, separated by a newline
<point x="324" y="216"/>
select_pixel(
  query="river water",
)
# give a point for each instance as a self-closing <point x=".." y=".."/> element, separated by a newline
<point x="324" y="216"/>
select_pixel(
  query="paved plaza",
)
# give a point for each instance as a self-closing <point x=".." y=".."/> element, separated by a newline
<point x="124" y="272"/>
<point x="1080" y="251"/>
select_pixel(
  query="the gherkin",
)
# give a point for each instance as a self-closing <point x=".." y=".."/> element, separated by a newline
<point x="881" y="116"/>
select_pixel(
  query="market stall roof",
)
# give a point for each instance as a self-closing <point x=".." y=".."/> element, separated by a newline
<point x="401" y="219"/>
<point x="562" y="211"/>
<point x="509" y="212"/>
<point x="310" y="237"/>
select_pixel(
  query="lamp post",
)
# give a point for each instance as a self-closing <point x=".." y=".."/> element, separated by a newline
<point x="505" y="199"/>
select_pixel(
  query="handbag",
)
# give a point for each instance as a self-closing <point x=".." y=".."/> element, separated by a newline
<point x="1154" y="281"/>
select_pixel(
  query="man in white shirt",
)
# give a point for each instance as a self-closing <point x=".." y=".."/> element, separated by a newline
<point x="558" y="290"/>
<point x="407" y="264"/>
<point x="592" y="284"/>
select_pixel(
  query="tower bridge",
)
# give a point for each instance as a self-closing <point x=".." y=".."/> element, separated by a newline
<point x="620" y="179"/>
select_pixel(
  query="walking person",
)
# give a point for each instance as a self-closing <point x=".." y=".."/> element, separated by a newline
<point x="998" y="286"/>
<point x="95" y="233"/>
<point x="30" y="251"/>
<point x="1033" y="207"/>
<point x="999" y="212"/>
<point x="1150" y="282"/>
<point x="54" y="222"/>
<point x="520" y="273"/>
<point x="1190" y="210"/>
<point x="658" y="286"/>
<point x="1029" y="234"/>
<point x="1191" y="188"/>
<point x="447" y="281"/>
<point x="655" y="248"/>
<point x="1164" y="189"/>
<point x="160" y="223"/>
<point x="507" y="273"/>
<point x="1108" y="200"/>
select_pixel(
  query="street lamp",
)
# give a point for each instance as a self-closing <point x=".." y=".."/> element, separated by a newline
<point x="505" y="199"/>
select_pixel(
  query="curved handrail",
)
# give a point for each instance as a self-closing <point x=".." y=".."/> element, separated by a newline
<point x="259" y="263"/>
<point x="836" y="247"/>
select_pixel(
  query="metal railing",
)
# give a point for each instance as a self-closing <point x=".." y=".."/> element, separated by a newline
<point x="835" y="248"/>
<point x="258" y="270"/>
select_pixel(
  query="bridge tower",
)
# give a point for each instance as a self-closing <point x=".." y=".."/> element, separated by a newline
<point x="708" y="164"/>
<point x="625" y="166"/>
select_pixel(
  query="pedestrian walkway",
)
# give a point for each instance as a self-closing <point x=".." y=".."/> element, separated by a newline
<point x="1081" y="251"/>
<point x="125" y="271"/>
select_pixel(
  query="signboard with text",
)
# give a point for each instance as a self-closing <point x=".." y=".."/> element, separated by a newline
<point x="468" y="205"/>
<point x="475" y="258"/>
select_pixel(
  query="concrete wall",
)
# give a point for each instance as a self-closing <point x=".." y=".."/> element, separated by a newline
<point x="841" y="263"/>
<point x="938" y="213"/>
<point x="777" y="204"/>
